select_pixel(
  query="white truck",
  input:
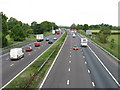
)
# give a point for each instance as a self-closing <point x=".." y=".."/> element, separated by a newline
<point x="53" y="32"/>
<point x="40" y="37"/>
<point x="16" y="53"/>
<point x="84" y="41"/>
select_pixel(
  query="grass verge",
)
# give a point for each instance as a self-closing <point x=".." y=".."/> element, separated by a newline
<point x="12" y="44"/>
<point x="23" y="78"/>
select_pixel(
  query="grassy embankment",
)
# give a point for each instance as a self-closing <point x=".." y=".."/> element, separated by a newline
<point x="114" y="50"/>
<point x="12" y="43"/>
<point x="23" y="78"/>
<point x="30" y="38"/>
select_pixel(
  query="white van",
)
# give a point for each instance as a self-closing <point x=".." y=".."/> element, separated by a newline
<point x="16" y="53"/>
<point x="84" y="41"/>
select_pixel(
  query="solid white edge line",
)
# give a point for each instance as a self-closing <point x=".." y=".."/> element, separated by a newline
<point x="93" y="84"/>
<point x="52" y="65"/>
<point x="29" y="65"/>
<point x="105" y="67"/>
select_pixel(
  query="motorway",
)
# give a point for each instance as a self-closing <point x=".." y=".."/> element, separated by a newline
<point x="11" y="68"/>
<point x="88" y="67"/>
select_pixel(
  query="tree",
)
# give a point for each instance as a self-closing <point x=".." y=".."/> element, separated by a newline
<point x="34" y="27"/>
<point x="85" y="27"/>
<point x="104" y="33"/>
<point x="27" y="29"/>
<point x="4" y="29"/>
<point x="73" y="26"/>
<point x="17" y="32"/>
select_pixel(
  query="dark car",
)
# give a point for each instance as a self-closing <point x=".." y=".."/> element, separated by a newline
<point x="50" y="42"/>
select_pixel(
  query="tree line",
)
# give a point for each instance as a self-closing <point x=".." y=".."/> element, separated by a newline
<point x="18" y="30"/>
<point x="102" y="35"/>
<point x="93" y="27"/>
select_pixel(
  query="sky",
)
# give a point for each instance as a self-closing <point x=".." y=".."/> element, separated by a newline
<point x="62" y="12"/>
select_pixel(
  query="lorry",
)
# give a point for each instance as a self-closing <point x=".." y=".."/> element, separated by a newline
<point x="40" y="37"/>
<point x="84" y="41"/>
<point x="57" y="31"/>
<point x="53" y="32"/>
<point x="16" y="53"/>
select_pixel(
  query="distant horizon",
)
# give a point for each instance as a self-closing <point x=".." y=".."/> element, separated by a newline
<point x="53" y="22"/>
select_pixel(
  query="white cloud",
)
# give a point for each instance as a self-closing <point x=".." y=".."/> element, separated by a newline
<point x="62" y="12"/>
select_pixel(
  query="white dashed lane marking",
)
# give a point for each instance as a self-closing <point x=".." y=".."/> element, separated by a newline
<point x="69" y="61"/>
<point x="7" y="59"/>
<point x="83" y="56"/>
<point x="11" y="65"/>
<point x="68" y="82"/>
<point x="88" y="71"/>
<point x="69" y="69"/>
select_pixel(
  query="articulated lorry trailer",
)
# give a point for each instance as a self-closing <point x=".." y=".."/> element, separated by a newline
<point x="39" y="37"/>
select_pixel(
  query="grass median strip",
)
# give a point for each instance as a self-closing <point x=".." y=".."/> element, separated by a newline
<point x="23" y="78"/>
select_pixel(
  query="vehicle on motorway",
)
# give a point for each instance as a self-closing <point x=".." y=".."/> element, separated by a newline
<point x="57" y="31"/>
<point x="28" y="48"/>
<point x="54" y="38"/>
<point x="50" y="42"/>
<point x="74" y="35"/>
<point x="84" y="41"/>
<point x="16" y="53"/>
<point x="47" y="39"/>
<point x="36" y="44"/>
<point x="53" y="32"/>
<point x="75" y="47"/>
<point x="39" y="37"/>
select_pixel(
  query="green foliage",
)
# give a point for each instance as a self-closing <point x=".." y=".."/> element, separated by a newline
<point x="103" y="35"/>
<point x="79" y="27"/>
<point x="42" y="27"/>
<point x="4" y="29"/>
<point x="112" y="43"/>
<point x="85" y="27"/>
<point x="17" y="32"/>
<point x="73" y="26"/>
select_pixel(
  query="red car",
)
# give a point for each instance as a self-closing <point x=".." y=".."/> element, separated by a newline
<point x="75" y="47"/>
<point x="37" y="44"/>
<point x="28" y="49"/>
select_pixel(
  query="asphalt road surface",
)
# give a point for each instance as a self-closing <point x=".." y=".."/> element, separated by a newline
<point x="11" y="68"/>
<point x="88" y="67"/>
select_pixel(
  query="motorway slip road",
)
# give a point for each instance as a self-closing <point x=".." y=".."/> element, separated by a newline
<point x="80" y="68"/>
<point x="11" y="68"/>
